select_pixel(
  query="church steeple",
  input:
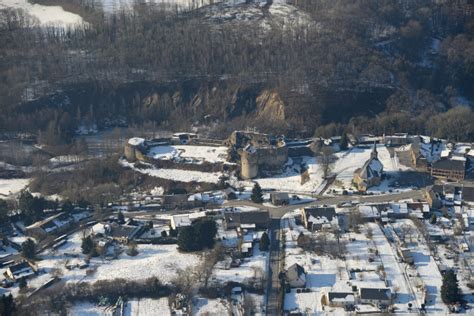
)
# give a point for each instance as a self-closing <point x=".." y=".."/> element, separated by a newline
<point x="374" y="153"/>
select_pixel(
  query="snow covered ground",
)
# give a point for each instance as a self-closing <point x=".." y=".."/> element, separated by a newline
<point x="205" y="306"/>
<point x="147" y="306"/>
<point x="44" y="15"/>
<point x="88" y="309"/>
<point x="252" y="269"/>
<point x="427" y="272"/>
<point x="393" y="269"/>
<point x="114" y="5"/>
<point x="161" y="261"/>
<point x="133" y="307"/>
<point x="364" y="253"/>
<point x="176" y="174"/>
<point x="9" y="187"/>
<point x="290" y="179"/>
<point x="348" y="161"/>
<point x="189" y="153"/>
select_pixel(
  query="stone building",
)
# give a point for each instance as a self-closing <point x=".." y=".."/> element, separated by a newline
<point x="256" y="152"/>
<point x="255" y="160"/>
<point x="451" y="169"/>
<point x="134" y="149"/>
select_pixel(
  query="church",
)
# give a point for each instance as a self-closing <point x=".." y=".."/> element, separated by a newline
<point x="370" y="174"/>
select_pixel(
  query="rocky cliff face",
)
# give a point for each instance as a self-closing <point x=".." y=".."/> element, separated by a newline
<point x="269" y="105"/>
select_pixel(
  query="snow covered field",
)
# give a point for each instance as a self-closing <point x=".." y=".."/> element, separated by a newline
<point x="44" y="15"/>
<point x="12" y="186"/>
<point x="162" y="261"/>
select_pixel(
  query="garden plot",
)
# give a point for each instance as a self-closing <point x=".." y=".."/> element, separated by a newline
<point x="252" y="270"/>
<point x="427" y="271"/>
<point x="205" y="306"/>
<point x="89" y="309"/>
<point x="395" y="274"/>
<point x="147" y="306"/>
<point x="323" y="273"/>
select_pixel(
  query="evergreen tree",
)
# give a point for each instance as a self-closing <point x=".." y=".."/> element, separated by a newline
<point x="32" y="207"/>
<point x="28" y="249"/>
<point x="67" y="206"/>
<point x="450" y="292"/>
<point x="120" y="217"/>
<point x="7" y="305"/>
<point x="264" y="242"/>
<point x="187" y="239"/>
<point x="3" y="211"/>
<point x="22" y="283"/>
<point x="433" y="219"/>
<point x="257" y="196"/>
<point x="87" y="245"/>
<point x="206" y="230"/>
<point x="344" y="141"/>
<point x="198" y="236"/>
<point x="173" y="232"/>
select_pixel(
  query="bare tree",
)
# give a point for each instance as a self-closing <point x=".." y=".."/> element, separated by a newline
<point x="185" y="281"/>
<point x="325" y="158"/>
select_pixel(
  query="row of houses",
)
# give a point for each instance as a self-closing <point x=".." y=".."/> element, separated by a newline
<point x="450" y="195"/>
<point x="295" y="277"/>
<point x="54" y="225"/>
<point x="448" y="162"/>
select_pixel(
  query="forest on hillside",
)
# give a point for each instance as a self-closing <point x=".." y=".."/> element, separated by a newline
<point x="379" y="66"/>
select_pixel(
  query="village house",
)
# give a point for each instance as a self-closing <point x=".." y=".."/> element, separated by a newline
<point x="397" y="139"/>
<point x="340" y="299"/>
<point x="120" y="233"/>
<point x="246" y="244"/>
<point x="418" y="160"/>
<point x="20" y="270"/>
<point x="179" y="221"/>
<point x="370" y="174"/>
<point x="450" y="169"/>
<point x="319" y="218"/>
<point x="295" y="276"/>
<point x="180" y="201"/>
<point x="405" y="254"/>
<point x="279" y="198"/>
<point x="433" y="198"/>
<point x="55" y="224"/>
<point x="258" y="219"/>
<point x="375" y="296"/>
